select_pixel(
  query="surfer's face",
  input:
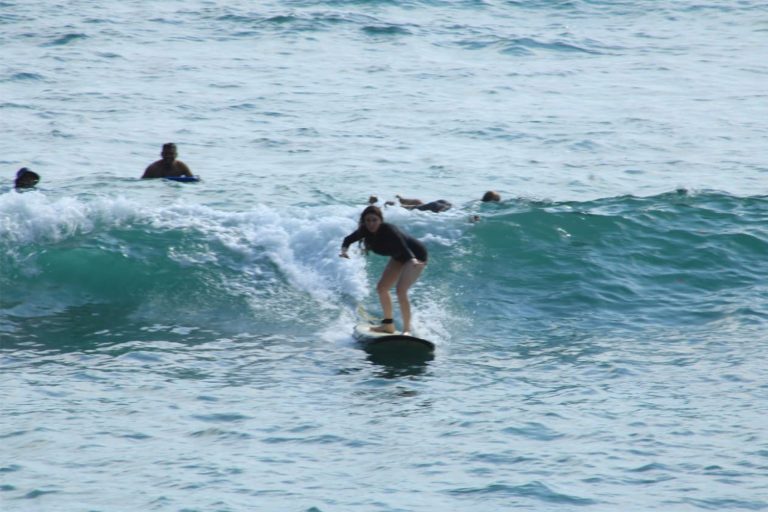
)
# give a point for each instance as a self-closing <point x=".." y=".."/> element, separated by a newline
<point x="372" y="222"/>
<point x="168" y="154"/>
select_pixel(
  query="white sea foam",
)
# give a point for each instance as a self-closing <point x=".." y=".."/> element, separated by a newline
<point x="35" y="217"/>
<point x="302" y="244"/>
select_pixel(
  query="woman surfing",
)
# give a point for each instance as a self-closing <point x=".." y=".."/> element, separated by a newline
<point x="407" y="259"/>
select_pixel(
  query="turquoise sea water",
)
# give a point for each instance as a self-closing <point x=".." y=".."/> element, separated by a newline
<point x="176" y="347"/>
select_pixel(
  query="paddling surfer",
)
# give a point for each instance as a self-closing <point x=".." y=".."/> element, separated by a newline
<point x="168" y="166"/>
<point x="437" y="206"/>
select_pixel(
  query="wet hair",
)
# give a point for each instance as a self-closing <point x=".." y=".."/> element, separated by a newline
<point x="171" y="146"/>
<point x="491" y="195"/>
<point x="26" y="178"/>
<point x="368" y="210"/>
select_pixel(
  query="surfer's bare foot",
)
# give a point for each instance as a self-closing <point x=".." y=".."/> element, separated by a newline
<point x="387" y="328"/>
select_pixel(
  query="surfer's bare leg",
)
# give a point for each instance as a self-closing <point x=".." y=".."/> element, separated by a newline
<point x="388" y="278"/>
<point x="411" y="271"/>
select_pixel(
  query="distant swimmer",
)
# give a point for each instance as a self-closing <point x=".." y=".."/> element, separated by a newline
<point x="407" y="259"/>
<point x="26" y="178"/>
<point x="490" y="196"/>
<point x="168" y="166"/>
<point x="438" y="206"/>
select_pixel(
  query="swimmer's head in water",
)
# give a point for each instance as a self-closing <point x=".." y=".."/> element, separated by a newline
<point x="169" y="151"/>
<point x="26" y="178"/>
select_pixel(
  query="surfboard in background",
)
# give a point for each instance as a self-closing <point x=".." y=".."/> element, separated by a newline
<point x="183" y="179"/>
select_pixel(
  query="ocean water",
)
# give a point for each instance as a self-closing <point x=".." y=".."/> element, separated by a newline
<point x="187" y="347"/>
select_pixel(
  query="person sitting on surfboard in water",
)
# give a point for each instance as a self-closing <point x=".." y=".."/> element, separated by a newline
<point x="408" y="257"/>
<point x="168" y="166"/>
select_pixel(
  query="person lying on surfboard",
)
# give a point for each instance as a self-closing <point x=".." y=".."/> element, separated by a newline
<point x="438" y="206"/>
<point x="407" y="259"/>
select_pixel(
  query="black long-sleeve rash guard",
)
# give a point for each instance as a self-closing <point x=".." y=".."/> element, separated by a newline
<point x="389" y="241"/>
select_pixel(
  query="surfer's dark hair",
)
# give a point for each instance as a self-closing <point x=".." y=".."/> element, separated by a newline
<point x="368" y="210"/>
<point x="372" y="209"/>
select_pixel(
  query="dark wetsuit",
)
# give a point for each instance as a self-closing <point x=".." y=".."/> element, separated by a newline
<point x="389" y="241"/>
<point x="438" y="206"/>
